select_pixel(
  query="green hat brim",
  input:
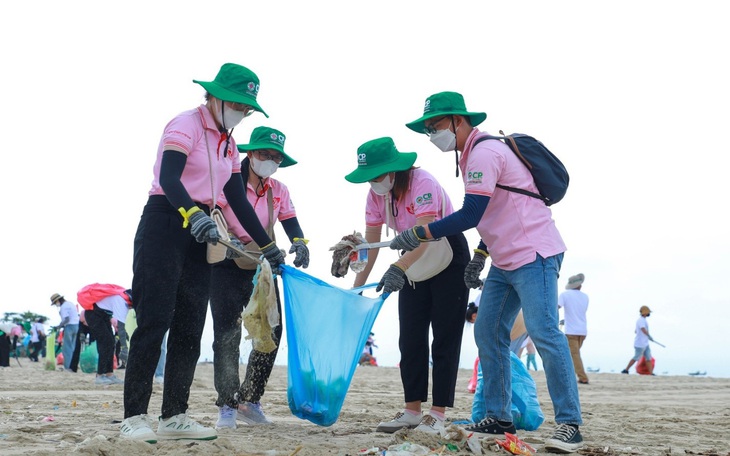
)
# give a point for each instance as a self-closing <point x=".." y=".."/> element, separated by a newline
<point x="288" y="161"/>
<point x="224" y="94"/>
<point x="367" y="173"/>
<point x="419" y="125"/>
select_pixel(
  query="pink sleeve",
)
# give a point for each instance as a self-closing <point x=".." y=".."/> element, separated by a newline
<point x="286" y="207"/>
<point x="426" y="195"/>
<point x="482" y="170"/>
<point x="178" y="133"/>
<point x="374" y="210"/>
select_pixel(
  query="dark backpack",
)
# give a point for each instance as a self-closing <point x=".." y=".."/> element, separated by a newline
<point x="549" y="173"/>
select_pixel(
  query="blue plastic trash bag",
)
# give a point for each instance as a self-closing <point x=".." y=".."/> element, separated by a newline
<point x="327" y="327"/>
<point x="526" y="411"/>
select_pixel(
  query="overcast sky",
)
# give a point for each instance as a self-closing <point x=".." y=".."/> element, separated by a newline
<point x="632" y="96"/>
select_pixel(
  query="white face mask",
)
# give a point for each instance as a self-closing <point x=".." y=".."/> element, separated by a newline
<point x="231" y="117"/>
<point x="445" y="140"/>
<point x="382" y="187"/>
<point x="263" y="168"/>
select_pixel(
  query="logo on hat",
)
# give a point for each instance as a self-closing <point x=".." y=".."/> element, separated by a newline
<point x="252" y="88"/>
<point x="362" y="159"/>
<point x="277" y="138"/>
<point x="427" y="106"/>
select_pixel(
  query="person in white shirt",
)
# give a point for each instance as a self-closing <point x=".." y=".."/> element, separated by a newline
<point x="574" y="303"/>
<point x="37" y="338"/>
<point x="70" y="323"/>
<point x="641" y="342"/>
<point x="104" y="316"/>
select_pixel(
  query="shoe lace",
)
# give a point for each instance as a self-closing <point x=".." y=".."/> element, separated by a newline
<point x="564" y="432"/>
<point x="428" y="420"/>
<point x="487" y="421"/>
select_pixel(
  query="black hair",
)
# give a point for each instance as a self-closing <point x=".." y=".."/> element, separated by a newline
<point x="471" y="309"/>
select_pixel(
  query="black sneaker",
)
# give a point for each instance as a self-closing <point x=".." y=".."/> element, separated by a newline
<point x="565" y="439"/>
<point x="491" y="427"/>
<point x="625" y="371"/>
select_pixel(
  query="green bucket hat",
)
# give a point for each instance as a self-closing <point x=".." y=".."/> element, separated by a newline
<point x="268" y="138"/>
<point x="377" y="157"/>
<point x="444" y="104"/>
<point x="236" y="84"/>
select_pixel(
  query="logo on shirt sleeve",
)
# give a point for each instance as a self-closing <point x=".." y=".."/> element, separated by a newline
<point x="424" y="199"/>
<point x="474" y="177"/>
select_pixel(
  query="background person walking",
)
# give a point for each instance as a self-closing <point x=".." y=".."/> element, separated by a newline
<point x="574" y="303"/>
<point x="641" y="342"/>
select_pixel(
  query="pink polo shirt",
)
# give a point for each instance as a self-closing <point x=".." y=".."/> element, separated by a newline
<point x="189" y="132"/>
<point x="424" y="198"/>
<point x="514" y="227"/>
<point x="283" y="207"/>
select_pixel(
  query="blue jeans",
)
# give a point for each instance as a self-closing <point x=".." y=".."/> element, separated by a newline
<point x="533" y="288"/>
<point x="70" y="332"/>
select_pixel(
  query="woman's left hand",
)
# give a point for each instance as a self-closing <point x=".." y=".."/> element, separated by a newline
<point x="299" y="247"/>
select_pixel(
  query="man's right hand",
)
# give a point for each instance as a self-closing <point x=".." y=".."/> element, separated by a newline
<point x="474" y="269"/>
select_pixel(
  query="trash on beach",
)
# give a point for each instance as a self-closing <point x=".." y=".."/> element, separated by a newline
<point x="514" y="445"/>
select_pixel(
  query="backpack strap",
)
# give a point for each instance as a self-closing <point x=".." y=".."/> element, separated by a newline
<point x="513" y="147"/>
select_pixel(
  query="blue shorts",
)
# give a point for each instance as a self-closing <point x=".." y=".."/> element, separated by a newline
<point x="642" y="351"/>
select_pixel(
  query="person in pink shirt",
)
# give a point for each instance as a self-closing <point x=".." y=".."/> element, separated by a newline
<point x="526" y="251"/>
<point x="197" y="160"/>
<point x="231" y="281"/>
<point x="400" y="196"/>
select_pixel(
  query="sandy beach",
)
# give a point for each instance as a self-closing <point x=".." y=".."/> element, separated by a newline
<point x="54" y="412"/>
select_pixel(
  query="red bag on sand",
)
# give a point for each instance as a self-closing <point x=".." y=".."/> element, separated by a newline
<point x="642" y="368"/>
<point x="91" y="294"/>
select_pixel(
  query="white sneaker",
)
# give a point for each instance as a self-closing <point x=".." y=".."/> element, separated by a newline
<point x="181" y="427"/>
<point x="138" y="428"/>
<point x="401" y="420"/>
<point x="226" y="418"/>
<point x="252" y="413"/>
<point x="431" y="425"/>
<point x="102" y="380"/>
<point x="116" y="380"/>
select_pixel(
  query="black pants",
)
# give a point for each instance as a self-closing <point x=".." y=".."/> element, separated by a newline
<point x="100" y="327"/>
<point x="4" y="350"/>
<point x="170" y="286"/>
<point x="230" y="291"/>
<point x="438" y="303"/>
<point x="34" y="350"/>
